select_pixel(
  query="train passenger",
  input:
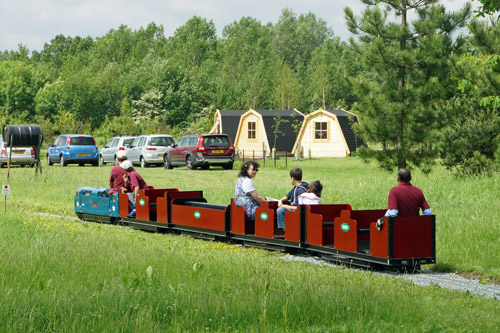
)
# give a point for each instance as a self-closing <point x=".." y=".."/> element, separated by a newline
<point x="299" y="187"/>
<point x="313" y="194"/>
<point x="245" y="193"/>
<point x="116" y="182"/>
<point x="405" y="199"/>
<point x="133" y="179"/>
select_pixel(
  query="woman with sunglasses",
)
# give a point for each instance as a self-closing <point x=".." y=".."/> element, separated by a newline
<point x="245" y="193"/>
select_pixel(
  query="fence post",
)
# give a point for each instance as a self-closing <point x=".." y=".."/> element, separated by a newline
<point x="274" y="156"/>
<point x="286" y="160"/>
<point x="264" y="152"/>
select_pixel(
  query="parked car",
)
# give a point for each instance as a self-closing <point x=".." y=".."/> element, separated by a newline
<point x="149" y="149"/>
<point x="201" y="150"/>
<point x="20" y="156"/>
<point x="108" y="152"/>
<point x="73" y="148"/>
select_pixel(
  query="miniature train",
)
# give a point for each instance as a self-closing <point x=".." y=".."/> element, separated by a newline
<point x="334" y="232"/>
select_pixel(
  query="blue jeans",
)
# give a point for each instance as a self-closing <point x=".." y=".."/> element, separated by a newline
<point x="281" y="216"/>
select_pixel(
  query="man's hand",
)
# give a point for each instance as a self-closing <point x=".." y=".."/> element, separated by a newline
<point x="380" y="223"/>
<point x="280" y="203"/>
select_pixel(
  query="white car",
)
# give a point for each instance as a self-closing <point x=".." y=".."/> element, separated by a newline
<point x="20" y="156"/>
<point x="108" y="152"/>
<point x="149" y="149"/>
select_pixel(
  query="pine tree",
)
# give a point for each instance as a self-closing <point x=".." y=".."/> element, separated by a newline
<point x="406" y="44"/>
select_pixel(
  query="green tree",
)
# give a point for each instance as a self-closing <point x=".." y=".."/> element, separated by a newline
<point x="17" y="91"/>
<point x="286" y="88"/>
<point x="471" y="140"/>
<point x="295" y="38"/>
<point x="400" y="99"/>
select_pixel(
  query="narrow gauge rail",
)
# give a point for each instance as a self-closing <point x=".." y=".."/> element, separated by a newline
<point x="334" y="232"/>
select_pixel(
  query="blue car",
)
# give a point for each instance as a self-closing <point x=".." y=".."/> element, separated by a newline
<point x="73" y="149"/>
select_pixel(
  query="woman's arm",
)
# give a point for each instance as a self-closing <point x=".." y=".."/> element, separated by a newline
<point x="256" y="196"/>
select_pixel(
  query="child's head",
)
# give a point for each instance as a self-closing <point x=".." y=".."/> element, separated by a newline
<point x="316" y="188"/>
<point x="296" y="173"/>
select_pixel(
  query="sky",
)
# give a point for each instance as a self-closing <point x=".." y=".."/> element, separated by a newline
<point x="33" y="23"/>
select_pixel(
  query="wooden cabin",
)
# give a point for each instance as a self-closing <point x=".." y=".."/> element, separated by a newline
<point x="253" y="131"/>
<point x="328" y="133"/>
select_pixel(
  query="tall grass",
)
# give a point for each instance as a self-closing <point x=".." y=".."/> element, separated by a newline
<point x="66" y="275"/>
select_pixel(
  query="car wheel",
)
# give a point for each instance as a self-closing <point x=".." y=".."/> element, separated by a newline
<point x="189" y="163"/>
<point x="228" y="166"/>
<point x="81" y="164"/>
<point x="95" y="163"/>
<point x="205" y="167"/>
<point x="101" y="160"/>
<point x="49" y="161"/>
<point x="63" y="161"/>
<point x="143" y="162"/>
<point x="1" y="165"/>
<point x="166" y="162"/>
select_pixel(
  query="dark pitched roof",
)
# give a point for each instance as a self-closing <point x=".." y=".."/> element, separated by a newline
<point x="230" y="120"/>
<point x="346" y="119"/>
<point x="286" y="139"/>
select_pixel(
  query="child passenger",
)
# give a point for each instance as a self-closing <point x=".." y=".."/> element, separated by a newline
<point x="313" y="194"/>
<point x="299" y="187"/>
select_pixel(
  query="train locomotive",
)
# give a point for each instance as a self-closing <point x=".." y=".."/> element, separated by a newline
<point x="334" y="232"/>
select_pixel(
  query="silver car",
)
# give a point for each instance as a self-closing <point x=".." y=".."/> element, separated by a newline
<point x="149" y="149"/>
<point x="108" y="152"/>
<point x="20" y="156"/>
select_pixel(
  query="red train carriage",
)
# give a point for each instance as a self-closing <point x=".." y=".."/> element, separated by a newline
<point x="334" y="232"/>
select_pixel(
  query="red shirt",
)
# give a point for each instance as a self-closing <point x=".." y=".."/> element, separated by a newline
<point x="407" y="199"/>
<point x="116" y="177"/>
<point x="135" y="179"/>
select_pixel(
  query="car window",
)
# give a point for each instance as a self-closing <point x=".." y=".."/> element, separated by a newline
<point x="127" y="142"/>
<point x="135" y="142"/>
<point x="193" y="141"/>
<point x="115" y="142"/>
<point x="160" y="141"/>
<point x="61" y="141"/>
<point x="82" y="141"/>
<point x="180" y="142"/>
<point x="110" y="142"/>
<point x="215" y="141"/>
<point x="142" y="141"/>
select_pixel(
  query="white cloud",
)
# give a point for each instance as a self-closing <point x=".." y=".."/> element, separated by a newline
<point x="35" y="22"/>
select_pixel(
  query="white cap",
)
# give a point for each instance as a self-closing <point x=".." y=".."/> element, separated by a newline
<point x="121" y="154"/>
<point x="127" y="165"/>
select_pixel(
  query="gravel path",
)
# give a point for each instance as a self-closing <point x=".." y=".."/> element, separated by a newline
<point x="426" y="277"/>
<point x="423" y="278"/>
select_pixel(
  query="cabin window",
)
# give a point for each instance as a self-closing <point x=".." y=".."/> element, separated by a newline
<point x="251" y="130"/>
<point x="321" y="130"/>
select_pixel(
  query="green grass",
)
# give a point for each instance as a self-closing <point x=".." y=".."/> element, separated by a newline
<point x="65" y="275"/>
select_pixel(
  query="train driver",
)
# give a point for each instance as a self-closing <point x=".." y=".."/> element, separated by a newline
<point x="405" y="199"/>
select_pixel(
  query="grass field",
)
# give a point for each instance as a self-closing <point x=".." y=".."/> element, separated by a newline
<point x="65" y="275"/>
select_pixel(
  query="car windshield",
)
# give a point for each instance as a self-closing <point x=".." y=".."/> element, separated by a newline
<point x="161" y="141"/>
<point x="82" y="141"/>
<point x="215" y="141"/>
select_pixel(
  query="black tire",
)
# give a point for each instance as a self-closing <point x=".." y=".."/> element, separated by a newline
<point x="95" y="163"/>
<point x="189" y="163"/>
<point x="205" y="167"/>
<point x="143" y="162"/>
<point x="228" y="166"/>
<point x="166" y="163"/>
<point x="49" y="161"/>
<point x="63" y="161"/>
<point x="1" y="165"/>
<point x="101" y="160"/>
<point x="81" y="164"/>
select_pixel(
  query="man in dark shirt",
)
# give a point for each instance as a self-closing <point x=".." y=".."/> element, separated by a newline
<point x="116" y="177"/>
<point x="133" y="179"/>
<point x="405" y="199"/>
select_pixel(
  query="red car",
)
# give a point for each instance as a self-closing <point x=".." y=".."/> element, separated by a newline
<point x="200" y="150"/>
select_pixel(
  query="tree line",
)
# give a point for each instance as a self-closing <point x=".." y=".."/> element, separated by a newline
<point x="425" y="91"/>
